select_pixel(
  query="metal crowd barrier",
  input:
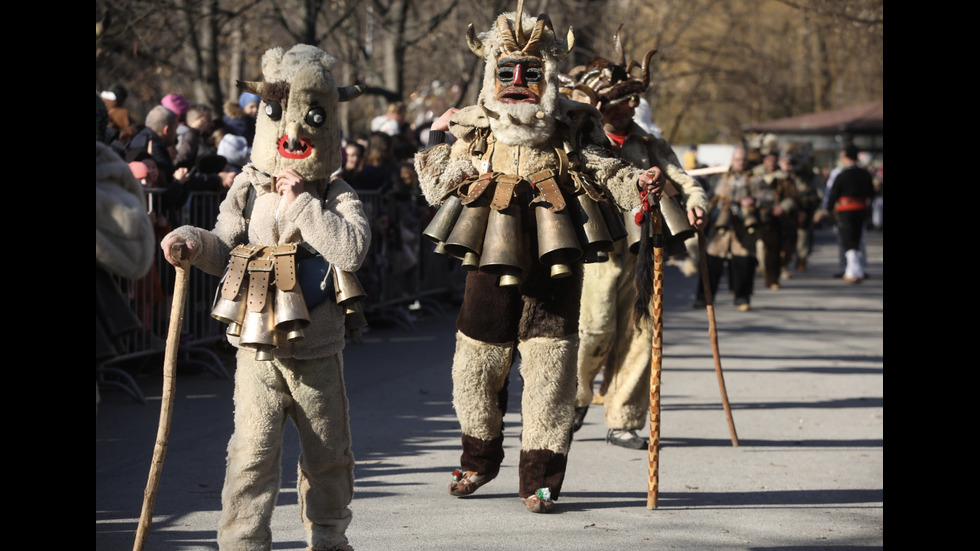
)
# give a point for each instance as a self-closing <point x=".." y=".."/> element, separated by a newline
<point x="401" y="276"/>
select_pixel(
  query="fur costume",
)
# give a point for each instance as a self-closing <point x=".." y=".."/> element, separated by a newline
<point x="731" y="236"/>
<point x="608" y="293"/>
<point x="607" y="333"/>
<point x="296" y="128"/>
<point x="520" y="128"/>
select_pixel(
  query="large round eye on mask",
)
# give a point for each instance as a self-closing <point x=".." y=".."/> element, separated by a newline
<point x="273" y="110"/>
<point x="316" y="117"/>
<point x="505" y="74"/>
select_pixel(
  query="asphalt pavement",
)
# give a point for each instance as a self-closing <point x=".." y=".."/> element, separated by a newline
<point x="804" y="373"/>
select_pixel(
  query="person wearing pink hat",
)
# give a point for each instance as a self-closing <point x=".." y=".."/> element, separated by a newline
<point x="177" y="104"/>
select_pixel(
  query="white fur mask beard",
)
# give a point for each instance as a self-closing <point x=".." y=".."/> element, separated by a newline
<point x="529" y="129"/>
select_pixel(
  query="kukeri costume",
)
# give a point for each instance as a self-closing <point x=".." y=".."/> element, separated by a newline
<point x="289" y="365"/>
<point x="607" y="332"/>
<point x="515" y="188"/>
<point x="732" y="236"/>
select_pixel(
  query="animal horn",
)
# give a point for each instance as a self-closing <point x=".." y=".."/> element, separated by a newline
<point x="519" y="21"/>
<point x="532" y="43"/>
<point x="646" y="67"/>
<point x="348" y="93"/>
<point x="588" y="91"/>
<point x="618" y="46"/>
<point x="506" y="35"/>
<point x="570" y="39"/>
<point x="473" y="42"/>
<point x="251" y="87"/>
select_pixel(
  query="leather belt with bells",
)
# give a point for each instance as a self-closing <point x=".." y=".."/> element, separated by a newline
<point x="240" y="257"/>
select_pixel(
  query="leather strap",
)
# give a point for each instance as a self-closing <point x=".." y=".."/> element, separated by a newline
<point x="285" y="260"/>
<point x="259" y="275"/>
<point x="546" y="183"/>
<point x="477" y="188"/>
<point x="240" y="256"/>
<point x="504" y="191"/>
<point x="584" y="183"/>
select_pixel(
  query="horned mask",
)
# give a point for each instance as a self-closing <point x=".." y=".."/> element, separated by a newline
<point x="520" y="86"/>
<point x="610" y="82"/>
<point x="297" y="124"/>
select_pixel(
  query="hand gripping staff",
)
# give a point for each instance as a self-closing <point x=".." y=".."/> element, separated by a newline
<point x="179" y="252"/>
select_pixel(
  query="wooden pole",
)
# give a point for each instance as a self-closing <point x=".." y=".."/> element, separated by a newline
<point x="713" y="335"/>
<point x="166" y="404"/>
<point x="656" y="312"/>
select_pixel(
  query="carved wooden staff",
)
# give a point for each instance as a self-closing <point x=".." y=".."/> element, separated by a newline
<point x="656" y="312"/>
<point x="713" y="335"/>
<point x="179" y="252"/>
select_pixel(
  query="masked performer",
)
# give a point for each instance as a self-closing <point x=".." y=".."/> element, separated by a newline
<point x="281" y="210"/>
<point x="523" y="186"/>
<point x="608" y="334"/>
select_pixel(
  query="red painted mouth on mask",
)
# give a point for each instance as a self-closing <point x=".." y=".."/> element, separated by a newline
<point x="304" y="151"/>
<point x="515" y="94"/>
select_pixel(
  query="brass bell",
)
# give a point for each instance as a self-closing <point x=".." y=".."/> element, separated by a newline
<point x="354" y="319"/>
<point x="593" y="233"/>
<point x="234" y="330"/>
<point x="675" y="219"/>
<point x="502" y="246"/>
<point x="442" y="223"/>
<point x="347" y="287"/>
<point x="259" y="332"/>
<point x="467" y="234"/>
<point x="558" y="244"/>
<point x="559" y="271"/>
<point x="292" y="315"/>
<point x="614" y="220"/>
<point x="227" y="311"/>
<point x="471" y="262"/>
<point x="633" y="233"/>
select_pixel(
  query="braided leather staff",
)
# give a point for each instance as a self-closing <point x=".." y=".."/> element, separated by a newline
<point x="179" y="252"/>
<point x="713" y="335"/>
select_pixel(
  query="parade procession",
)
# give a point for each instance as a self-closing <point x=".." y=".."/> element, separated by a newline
<point x="505" y="311"/>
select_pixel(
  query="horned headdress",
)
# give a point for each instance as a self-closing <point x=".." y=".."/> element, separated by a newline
<point x="610" y="81"/>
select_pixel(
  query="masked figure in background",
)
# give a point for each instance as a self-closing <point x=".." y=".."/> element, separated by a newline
<point x="282" y="210"/>
<point x="523" y="186"/>
<point x="733" y="232"/>
<point x="609" y="333"/>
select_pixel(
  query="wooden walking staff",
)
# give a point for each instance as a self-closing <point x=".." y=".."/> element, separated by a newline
<point x="713" y="335"/>
<point x="656" y="312"/>
<point x="179" y="252"/>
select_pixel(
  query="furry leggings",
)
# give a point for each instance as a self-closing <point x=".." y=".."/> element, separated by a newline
<point x="311" y="393"/>
<point x="541" y="320"/>
<point x="606" y="334"/>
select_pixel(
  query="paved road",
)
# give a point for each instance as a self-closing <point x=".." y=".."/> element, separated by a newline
<point x="804" y="373"/>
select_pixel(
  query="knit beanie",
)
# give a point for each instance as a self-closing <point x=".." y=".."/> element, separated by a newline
<point x="176" y="103"/>
<point x="247" y="98"/>
<point x="234" y="149"/>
